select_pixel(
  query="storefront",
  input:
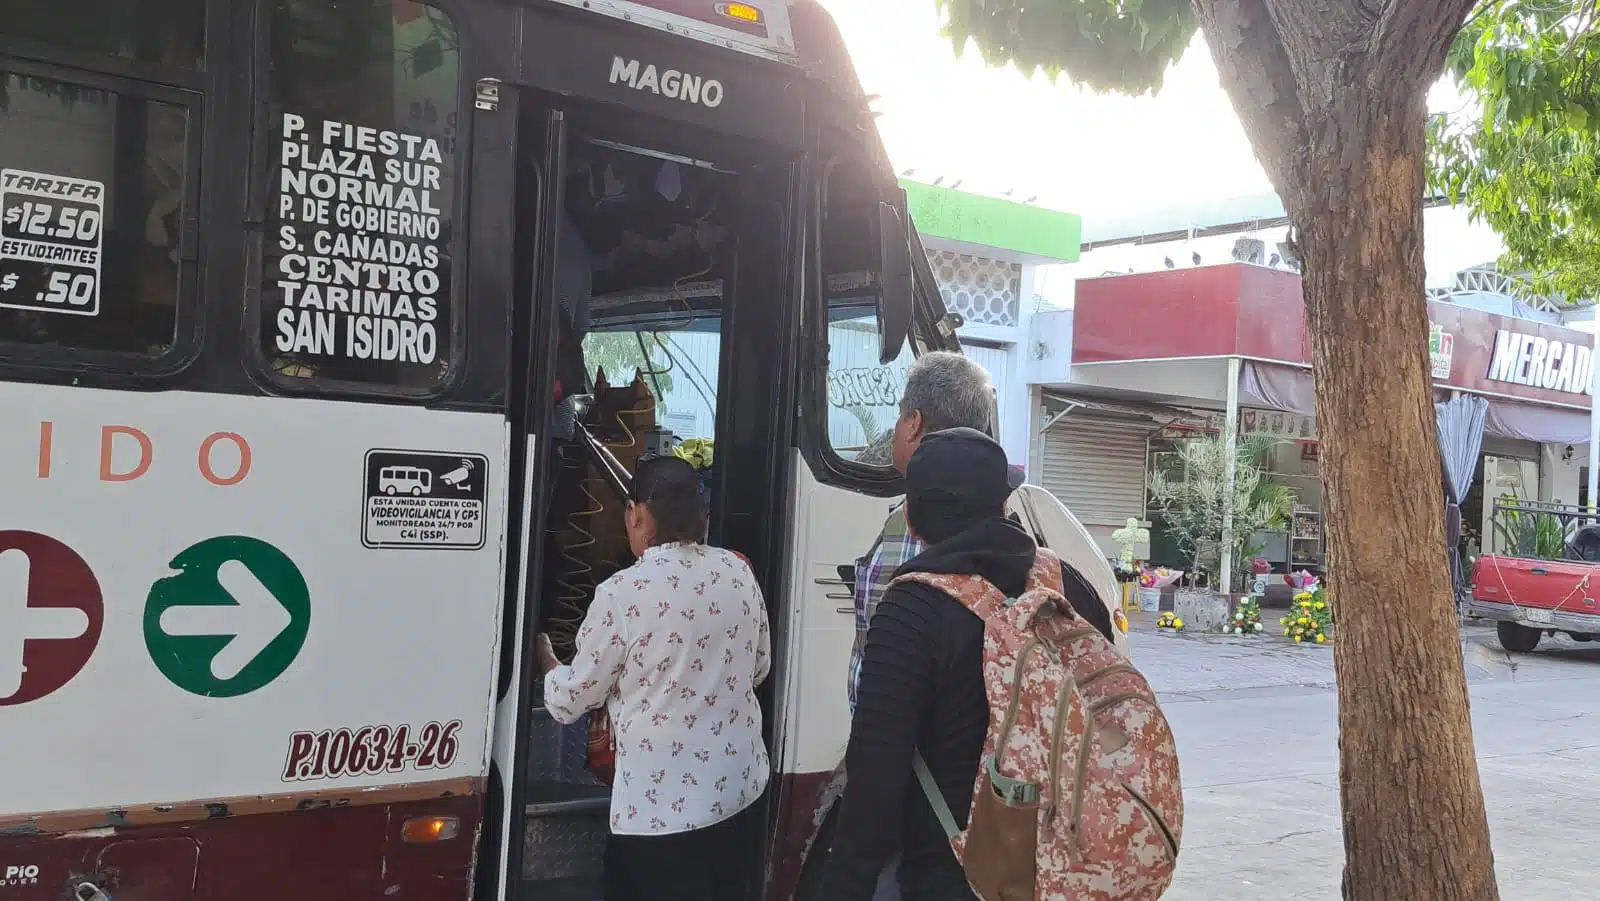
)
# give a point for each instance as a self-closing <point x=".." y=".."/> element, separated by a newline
<point x="1175" y="352"/>
<point x="1093" y="458"/>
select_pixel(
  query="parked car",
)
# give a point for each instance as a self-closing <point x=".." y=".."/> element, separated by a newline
<point x="1546" y="581"/>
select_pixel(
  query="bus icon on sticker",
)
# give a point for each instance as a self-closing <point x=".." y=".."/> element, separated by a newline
<point x="410" y="480"/>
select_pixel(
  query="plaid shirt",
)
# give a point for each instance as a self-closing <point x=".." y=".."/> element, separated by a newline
<point x="873" y="574"/>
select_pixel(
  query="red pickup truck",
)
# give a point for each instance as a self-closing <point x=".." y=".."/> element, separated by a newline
<point x="1531" y="596"/>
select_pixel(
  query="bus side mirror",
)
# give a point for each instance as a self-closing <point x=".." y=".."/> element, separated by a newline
<point x="895" y="297"/>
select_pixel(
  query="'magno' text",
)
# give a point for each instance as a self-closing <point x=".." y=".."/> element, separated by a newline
<point x="669" y="83"/>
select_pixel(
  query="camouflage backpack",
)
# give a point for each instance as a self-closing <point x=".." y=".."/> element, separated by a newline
<point x="1077" y="796"/>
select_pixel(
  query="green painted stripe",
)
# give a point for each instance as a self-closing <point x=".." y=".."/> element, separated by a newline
<point x="993" y="222"/>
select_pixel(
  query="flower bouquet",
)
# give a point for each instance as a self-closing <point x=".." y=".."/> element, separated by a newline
<point x="1158" y="578"/>
<point x="1169" y="620"/>
<point x="1310" y="618"/>
<point x="1246" y="619"/>
<point x="1151" y="581"/>
<point x="1301" y="581"/>
<point x="1260" y="566"/>
<point x="1127" y="538"/>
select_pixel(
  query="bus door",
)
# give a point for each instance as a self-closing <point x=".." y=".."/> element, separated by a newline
<point x="859" y="343"/>
<point x="655" y="242"/>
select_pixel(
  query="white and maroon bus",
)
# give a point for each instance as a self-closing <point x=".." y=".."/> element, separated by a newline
<point x="306" y="311"/>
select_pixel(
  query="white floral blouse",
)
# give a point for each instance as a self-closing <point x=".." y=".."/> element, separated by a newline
<point x="674" y="646"/>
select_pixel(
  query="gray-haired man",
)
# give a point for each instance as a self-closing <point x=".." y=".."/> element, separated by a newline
<point x="943" y="391"/>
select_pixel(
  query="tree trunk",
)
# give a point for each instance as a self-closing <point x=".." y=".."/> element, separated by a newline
<point x="1414" y="821"/>
<point x="1332" y="95"/>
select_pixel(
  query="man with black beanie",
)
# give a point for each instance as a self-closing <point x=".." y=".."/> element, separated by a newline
<point x="921" y="685"/>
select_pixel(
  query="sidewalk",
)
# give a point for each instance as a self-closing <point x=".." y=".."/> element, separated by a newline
<point x="1256" y="721"/>
<point x="1197" y="665"/>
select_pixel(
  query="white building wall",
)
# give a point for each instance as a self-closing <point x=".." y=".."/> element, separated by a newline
<point x="996" y="330"/>
<point x="1559" y="475"/>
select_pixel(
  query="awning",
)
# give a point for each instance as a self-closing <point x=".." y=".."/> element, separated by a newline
<point x="1546" y="425"/>
<point x="1291" y="389"/>
<point x="1159" y="413"/>
<point x="1286" y="388"/>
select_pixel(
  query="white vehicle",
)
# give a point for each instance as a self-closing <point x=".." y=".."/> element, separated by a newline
<point x="309" y="242"/>
<point x="1055" y="527"/>
<point x="405" y="480"/>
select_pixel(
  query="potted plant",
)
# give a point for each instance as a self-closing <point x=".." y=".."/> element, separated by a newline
<point x="1194" y="498"/>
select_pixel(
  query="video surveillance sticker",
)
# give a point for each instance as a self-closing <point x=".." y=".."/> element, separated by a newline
<point x="425" y="500"/>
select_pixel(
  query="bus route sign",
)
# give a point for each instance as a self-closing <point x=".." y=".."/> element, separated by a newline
<point x="51" y="613"/>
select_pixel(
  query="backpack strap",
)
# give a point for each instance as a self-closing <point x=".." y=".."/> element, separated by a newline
<point x="930" y="790"/>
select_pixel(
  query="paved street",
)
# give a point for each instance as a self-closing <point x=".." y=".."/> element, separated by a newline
<point x="1255" y="722"/>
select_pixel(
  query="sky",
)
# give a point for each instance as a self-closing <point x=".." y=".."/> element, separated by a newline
<point x="1111" y="159"/>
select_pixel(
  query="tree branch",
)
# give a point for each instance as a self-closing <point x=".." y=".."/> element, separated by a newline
<point x="1412" y="38"/>
<point x="1254" y="68"/>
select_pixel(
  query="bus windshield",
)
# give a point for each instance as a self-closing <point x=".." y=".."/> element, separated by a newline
<point x="678" y="366"/>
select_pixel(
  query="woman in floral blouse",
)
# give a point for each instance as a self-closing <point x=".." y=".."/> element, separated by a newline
<point x="674" y="647"/>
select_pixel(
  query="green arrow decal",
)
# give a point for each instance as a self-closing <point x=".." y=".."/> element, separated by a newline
<point x="231" y="620"/>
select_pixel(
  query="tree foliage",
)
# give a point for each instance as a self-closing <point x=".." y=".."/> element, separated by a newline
<point x="621" y="354"/>
<point x="1524" y="155"/>
<point x="1108" y="45"/>
<point x="1194" y="499"/>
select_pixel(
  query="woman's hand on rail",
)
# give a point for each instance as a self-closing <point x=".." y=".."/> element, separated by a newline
<point x="546" y="652"/>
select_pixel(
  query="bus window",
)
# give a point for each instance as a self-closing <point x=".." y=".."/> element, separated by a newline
<point x="167" y="32"/>
<point x="92" y="194"/>
<point x="863" y="394"/>
<point x="360" y="274"/>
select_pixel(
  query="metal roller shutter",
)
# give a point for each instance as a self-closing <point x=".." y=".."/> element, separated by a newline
<point x="1095" y="466"/>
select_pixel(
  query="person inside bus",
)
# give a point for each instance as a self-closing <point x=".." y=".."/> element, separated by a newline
<point x="921" y="681"/>
<point x="673" y="647"/>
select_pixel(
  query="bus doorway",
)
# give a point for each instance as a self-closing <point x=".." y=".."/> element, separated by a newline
<point x="665" y="263"/>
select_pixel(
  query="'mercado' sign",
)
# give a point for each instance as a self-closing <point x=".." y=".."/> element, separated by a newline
<point x="1537" y="362"/>
<point x="669" y="83"/>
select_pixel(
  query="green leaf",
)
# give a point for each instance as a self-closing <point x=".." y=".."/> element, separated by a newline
<point x="1528" y="164"/>
<point x="1124" y="46"/>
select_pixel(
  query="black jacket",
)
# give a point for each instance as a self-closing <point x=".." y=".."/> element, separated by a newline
<point x="922" y="688"/>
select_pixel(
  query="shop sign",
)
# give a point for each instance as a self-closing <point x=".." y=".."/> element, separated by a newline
<point x="1277" y="424"/>
<point x="1254" y="423"/>
<point x="1534" y="361"/>
<point x="1441" y="350"/>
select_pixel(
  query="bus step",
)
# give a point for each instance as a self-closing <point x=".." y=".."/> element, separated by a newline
<point x="565" y="846"/>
